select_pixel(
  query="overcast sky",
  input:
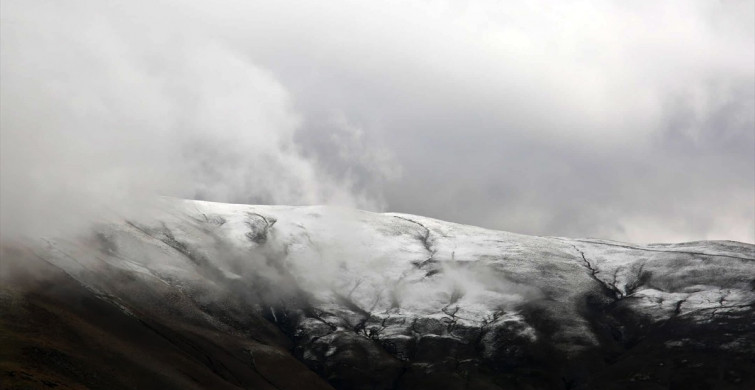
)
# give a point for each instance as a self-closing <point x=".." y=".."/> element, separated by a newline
<point x="632" y="121"/>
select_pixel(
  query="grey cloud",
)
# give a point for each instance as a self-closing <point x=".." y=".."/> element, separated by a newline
<point x="614" y="120"/>
<point x="98" y="113"/>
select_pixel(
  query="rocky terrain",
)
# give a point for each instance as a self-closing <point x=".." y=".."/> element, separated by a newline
<point x="193" y="294"/>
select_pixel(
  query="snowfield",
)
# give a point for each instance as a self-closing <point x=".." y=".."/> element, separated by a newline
<point x="400" y="287"/>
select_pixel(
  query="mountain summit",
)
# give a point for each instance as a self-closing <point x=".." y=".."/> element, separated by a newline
<point x="197" y="295"/>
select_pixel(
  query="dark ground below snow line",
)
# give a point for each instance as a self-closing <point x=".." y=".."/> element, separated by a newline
<point x="56" y="334"/>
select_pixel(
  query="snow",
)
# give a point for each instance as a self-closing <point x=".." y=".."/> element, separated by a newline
<point x="388" y="270"/>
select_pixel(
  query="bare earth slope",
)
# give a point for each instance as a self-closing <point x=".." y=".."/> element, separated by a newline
<point x="206" y="295"/>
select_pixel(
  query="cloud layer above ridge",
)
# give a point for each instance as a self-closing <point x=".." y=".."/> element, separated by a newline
<point x="606" y="119"/>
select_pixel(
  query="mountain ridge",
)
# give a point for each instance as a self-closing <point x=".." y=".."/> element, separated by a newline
<point x="369" y="300"/>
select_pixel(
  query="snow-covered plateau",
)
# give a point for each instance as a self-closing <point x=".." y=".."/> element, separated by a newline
<point x="193" y="294"/>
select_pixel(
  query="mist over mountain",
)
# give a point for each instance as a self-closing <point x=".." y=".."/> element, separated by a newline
<point x="580" y="119"/>
<point x="306" y="195"/>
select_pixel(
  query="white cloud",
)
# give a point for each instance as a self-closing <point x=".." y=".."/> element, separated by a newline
<point x="581" y="114"/>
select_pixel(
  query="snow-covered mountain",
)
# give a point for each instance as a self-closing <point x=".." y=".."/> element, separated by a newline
<point x="194" y="294"/>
